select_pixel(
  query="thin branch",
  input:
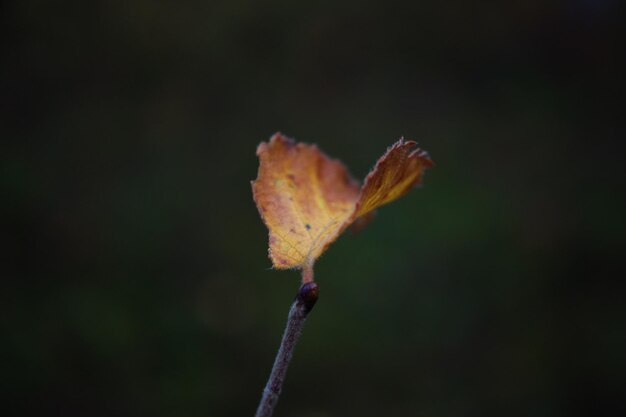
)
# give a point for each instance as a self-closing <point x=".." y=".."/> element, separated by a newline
<point x="301" y="307"/>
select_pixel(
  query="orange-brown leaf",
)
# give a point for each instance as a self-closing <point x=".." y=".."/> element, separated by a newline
<point x="304" y="198"/>
<point x="395" y="173"/>
<point x="307" y="199"/>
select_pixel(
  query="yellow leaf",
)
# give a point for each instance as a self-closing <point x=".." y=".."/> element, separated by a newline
<point x="306" y="199"/>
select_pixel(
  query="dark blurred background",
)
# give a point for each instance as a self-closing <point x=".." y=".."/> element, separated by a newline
<point x="135" y="273"/>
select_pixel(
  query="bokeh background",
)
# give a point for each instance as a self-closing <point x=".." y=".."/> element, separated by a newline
<point x="135" y="273"/>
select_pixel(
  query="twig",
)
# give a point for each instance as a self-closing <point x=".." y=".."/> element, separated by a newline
<point x="301" y="307"/>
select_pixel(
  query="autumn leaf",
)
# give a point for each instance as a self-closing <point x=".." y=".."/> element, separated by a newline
<point x="307" y="199"/>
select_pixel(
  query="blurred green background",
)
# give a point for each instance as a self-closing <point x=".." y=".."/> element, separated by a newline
<point x="135" y="273"/>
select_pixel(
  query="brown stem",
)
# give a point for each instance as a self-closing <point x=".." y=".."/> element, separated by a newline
<point x="302" y="305"/>
<point x="307" y="273"/>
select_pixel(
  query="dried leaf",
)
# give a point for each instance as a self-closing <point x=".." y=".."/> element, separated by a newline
<point x="395" y="173"/>
<point x="307" y="199"/>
